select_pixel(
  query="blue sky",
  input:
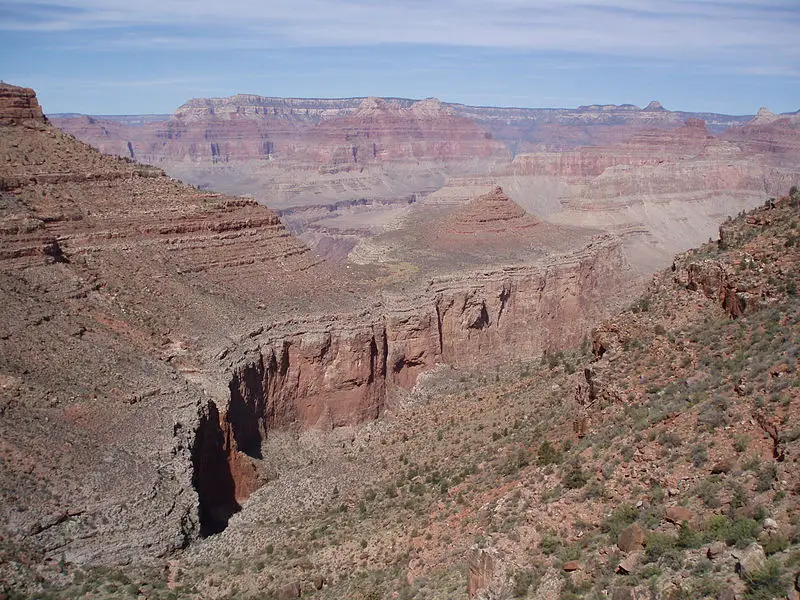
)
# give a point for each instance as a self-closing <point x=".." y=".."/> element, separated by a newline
<point x="149" y="56"/>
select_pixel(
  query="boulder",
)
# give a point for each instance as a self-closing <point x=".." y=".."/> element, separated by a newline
<point x="716" y="550"/>
<point x="481" y="570"/>
<point x="628" y="564"/>
<point x="319" y="582"/>
<point x="631" y="538"/>
<point x="749" y="560"/>
<point x="770" y="524"/>
<point x="726" y="465"/>
<point x="678" y="514"/>
<point x="289" y="591"/>
<point x="572" y="565"/>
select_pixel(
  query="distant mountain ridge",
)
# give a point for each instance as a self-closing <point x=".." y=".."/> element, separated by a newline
<point x="325" y="107"/>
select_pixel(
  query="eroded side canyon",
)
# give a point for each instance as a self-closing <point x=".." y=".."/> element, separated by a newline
<point x="153" y="335"/>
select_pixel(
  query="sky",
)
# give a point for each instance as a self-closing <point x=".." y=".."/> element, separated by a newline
<point x="150" y="56"/>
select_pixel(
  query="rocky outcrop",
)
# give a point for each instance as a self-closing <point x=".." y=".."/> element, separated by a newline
<point x="18" y="104"/>
<point x="493" y="213"/>
<point x="258" y="119"/>
<point x="331" y="371"/>
<point x="114" y="281"/>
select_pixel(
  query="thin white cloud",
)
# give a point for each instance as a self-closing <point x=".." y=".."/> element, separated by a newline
<point x="760" y="35"/>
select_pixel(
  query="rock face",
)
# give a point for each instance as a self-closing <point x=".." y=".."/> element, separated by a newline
<point x="338" y="170"/>
<point x="491" y="213"/>
<point x="18" y="104"/>
<point x="749" y="560"/>
<point x="631" y="538"/>
<point x="252" y="121"/>
<point x="662" y="191"/>
<point x="481" y="572"/>
<point x="247" y="128"/>
<point x="180" y="328"/>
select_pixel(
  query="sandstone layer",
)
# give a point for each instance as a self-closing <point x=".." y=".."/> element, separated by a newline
<point x="155" y="335"/>
<point x="341" y="171"/>
<point x="662" y="190"/>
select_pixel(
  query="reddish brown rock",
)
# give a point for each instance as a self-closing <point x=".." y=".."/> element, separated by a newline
<point x="492" y="213"/>
<point x="716" y="550"/>
<point x="678" y="514"/>
<point x="629" y="563"/>
<point x="631" y="538"/>
<point x="18" y="104"/>
<point x="481" y="570"/>
<point x="221" y="327"/>
<point x="572" y="565"/>
<point x="726" y="465"/>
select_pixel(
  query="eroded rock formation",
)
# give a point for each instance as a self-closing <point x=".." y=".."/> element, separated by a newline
<point x="18" y="104"/>
<point x="154" y="334"/>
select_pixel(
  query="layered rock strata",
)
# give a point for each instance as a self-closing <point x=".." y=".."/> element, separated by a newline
<point x="154" y="334"/>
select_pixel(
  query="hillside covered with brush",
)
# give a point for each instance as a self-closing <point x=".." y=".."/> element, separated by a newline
<point x="659" y="460"/>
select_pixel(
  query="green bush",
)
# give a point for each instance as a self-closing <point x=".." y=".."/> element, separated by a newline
<point x="765" y="476"/>
<point x="766" y="583"/>
<point x="524" y="579"/>
<point x="742" y="532"/>
<point x="775" y="544"/>
<point x="621" y="517"/>
<point x="575" y="478"/>
<point x="548" y="455"/>
<point x="661" y="547"/>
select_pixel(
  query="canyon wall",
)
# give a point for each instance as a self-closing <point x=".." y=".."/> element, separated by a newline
<point x="289" y="152"/>
<point x="339" y="370"/>
<point x="153" y="335"/>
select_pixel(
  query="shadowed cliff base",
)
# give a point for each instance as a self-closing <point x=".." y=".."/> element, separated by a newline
<point x="212" y="479"/>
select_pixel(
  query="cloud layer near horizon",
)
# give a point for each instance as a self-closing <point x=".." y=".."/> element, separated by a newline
<point x="741" y="38"/>
<point x="664" y="28"/>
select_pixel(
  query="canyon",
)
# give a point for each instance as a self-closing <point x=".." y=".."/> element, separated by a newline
<point x="358" y="363"/>
<point x="155" y="336"/>
<point x="346" y="173"/>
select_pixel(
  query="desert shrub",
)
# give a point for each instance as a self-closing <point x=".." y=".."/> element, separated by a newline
<point x="766" y="583"/>
<point x="548" y="455"/>
<point x="765" y="477"/>
<point x="699" y="455"/>
<point x="575" y="478"/>
<point x="641" y="305"/>
<point x="713" y="414"/>
<point x="688" y="538"/>
<point x="524" y="579"/>
<point x="708" y="491"/>
<point x="594" y="490"/>
<point x="516" y="461"/>
<point x="621" y="517"/>
<point x="669" y="439"/>
<point x="775" y="544"/>
<point x="662" y="547"/>
<point x="741" y="532"/>
<point x="739" y="496"/>
<point x="549" y="544"/>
